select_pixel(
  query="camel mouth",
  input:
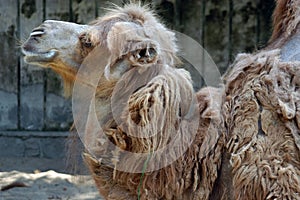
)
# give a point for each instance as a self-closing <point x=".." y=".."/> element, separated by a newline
<point x="39" y="57"/>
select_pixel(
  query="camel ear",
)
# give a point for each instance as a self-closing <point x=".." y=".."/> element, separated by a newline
<point x="143" y="52"/>
<point x="130" y="40"/>
<point x="290" y="51"/>
<point x="129" y="46"/>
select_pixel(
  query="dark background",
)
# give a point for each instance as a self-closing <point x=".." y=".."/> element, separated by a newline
<point x="34" y="116"/>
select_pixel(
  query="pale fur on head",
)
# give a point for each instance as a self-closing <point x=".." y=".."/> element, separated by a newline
<point x="130" y="28"/>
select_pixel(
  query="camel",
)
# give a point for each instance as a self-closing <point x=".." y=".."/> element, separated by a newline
<point x="135" y="59"/>
<point x="246" y="141"/>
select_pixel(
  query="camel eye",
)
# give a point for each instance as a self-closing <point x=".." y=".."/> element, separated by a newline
<point x="85" y="41"/>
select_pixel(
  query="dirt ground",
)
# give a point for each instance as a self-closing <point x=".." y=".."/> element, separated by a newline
<point x="48" y="185"/>
<point x="23" y="183"/>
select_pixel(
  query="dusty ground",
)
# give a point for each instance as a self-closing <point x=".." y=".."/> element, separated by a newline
<point x="48" y="185"/>
<point x="22" y="180"/>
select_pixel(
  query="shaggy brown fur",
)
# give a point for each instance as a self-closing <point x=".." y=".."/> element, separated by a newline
<point x="192" y="176"/>
<point x="262" y="120"/>
<point x="286" y="17"/>
<point x="261" y="114"/>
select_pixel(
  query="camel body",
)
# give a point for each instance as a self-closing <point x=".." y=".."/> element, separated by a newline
<point x="246" y="133"/>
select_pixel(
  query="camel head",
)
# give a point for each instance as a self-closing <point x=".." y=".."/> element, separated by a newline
<point x="58" y="45"/>
<point x="128" y="35"/>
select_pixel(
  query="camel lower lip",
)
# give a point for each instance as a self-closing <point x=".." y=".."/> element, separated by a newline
<point x="38" y="57"/>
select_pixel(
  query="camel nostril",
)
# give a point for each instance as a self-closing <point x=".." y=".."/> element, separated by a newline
<point x="38" y="32"/>
<point x="27" y="47"/>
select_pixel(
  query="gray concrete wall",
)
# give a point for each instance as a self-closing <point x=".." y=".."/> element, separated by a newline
<point x="34" y="115"/>
<point x="41" y="150"/>
<point x="29" y="151"/>
<point x="31" y="97"/>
